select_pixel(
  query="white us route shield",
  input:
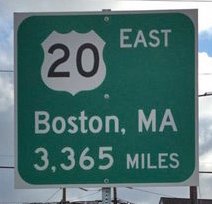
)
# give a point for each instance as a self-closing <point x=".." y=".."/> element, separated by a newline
<point x="73" y="62"/>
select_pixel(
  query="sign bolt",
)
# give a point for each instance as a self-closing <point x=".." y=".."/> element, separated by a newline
<point x="106" y="96"/>
<point x="106" y="181"/>
<point x="106" y="18"/>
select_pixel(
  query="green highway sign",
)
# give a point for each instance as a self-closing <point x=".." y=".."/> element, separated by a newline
<point x="106" y="98"/>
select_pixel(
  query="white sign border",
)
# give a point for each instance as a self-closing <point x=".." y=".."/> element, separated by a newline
<point x="193" y="180"/>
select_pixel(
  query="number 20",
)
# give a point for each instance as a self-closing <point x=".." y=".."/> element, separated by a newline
<point x="66" y="54"/>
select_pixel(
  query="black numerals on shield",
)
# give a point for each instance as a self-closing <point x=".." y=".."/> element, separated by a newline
<point x="52" y="72"/>
<point x="79" y="60"/>
<point x="66" y="54"/>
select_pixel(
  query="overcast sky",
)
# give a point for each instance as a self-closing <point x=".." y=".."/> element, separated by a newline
<point x="138" y="195"/>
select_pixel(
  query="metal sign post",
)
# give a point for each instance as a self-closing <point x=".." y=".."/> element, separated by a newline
<point x="106" y="195"/>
